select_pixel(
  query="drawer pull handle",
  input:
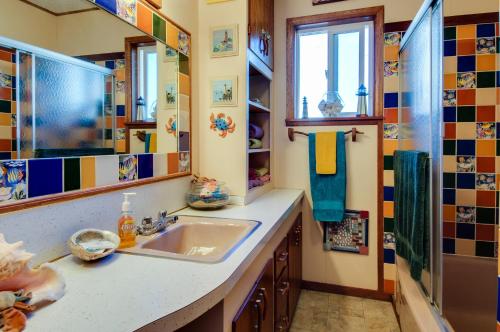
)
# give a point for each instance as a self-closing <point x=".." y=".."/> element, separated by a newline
<point x="285" y="287"/>
<point x="263" y="296"/>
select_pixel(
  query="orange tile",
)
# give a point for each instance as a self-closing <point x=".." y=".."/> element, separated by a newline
<point x="14" y="132"/>
<point x="144" y="18"/>
<point x="5" y="145"/>
<point x="485" y="232"/>
<point x="5" y="93"/>
<point x="466" y="97"/>
<point x="485" y="114"/>
<point x="485" y="164"/>
<point x="389" y="286"/>
<point x="5" y="119"/>
<point x="485" y="148"/>
<point x="450" y="81"/>
<point x="466" y="46"/>
<point x="449" y="229"/>
<point x="449" y="213"/>
<point x="450" y="130"/>
<point x="88" y="172"/>
<point x="391" y="53"/>
<point x="172" y="36"/>
<point x="173" y="163"/>
<point x="5" y="56"/>
<point x="497" y="29"/>
<point x="388" y="208"/>
<point x="120" y="145"/>
<point x="13" y="155"/>
<point x="466" y="31"/>
<point x="184" y="85"/>
<point x="391" y="115"/>
<point x="486" y="62"/>
<point x="120" y="121"/>
<point x="109" y="122"/>
<point x="120" y="74"/>
<point x="389" y="147"/>
<point x="485" y="198"/>
<point x="13" y="107"/>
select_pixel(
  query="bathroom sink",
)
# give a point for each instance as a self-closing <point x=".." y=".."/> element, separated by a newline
<point x="201" y="239"/>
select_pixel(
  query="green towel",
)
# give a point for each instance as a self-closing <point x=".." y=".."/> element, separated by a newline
<point x="411" y="209"/>
<point x="328" y="190"/>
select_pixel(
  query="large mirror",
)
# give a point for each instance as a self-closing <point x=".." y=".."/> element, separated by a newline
<point x="76" y="83"/>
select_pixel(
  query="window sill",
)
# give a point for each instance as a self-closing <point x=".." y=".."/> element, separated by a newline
<point x="368" y="120"/>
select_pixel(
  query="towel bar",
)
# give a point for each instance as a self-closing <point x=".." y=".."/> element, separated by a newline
<point x="292" y="132"/>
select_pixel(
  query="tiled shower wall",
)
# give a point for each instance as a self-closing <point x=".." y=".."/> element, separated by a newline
<point x="7" y="104"/>
<point x="471" y="158"/>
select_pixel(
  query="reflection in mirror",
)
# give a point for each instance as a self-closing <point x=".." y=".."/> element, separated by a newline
<point x="78" y="81"/>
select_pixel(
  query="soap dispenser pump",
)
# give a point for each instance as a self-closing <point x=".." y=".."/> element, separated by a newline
<point x="126" y="224"/>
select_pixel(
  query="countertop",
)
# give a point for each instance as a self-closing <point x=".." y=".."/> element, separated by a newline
<point x="126" y="292"/>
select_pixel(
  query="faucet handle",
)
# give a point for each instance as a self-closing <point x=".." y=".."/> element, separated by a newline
<point x="162" y="215"/>
<point x="147" y="222"/>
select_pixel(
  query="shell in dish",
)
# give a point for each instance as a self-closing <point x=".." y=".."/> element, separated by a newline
<point x="92" y="244"/>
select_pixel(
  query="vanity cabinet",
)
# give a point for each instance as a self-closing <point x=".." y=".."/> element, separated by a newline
<point x="295" y="263"/>
<point x="261" y="29"/>
<point x="256" y="314"/>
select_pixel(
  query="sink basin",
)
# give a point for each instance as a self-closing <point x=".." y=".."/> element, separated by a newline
<point x="200" y="239"/>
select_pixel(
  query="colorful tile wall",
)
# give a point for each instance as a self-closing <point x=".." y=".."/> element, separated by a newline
<point x="7" y="104"/>
<point x="22" y="179"/>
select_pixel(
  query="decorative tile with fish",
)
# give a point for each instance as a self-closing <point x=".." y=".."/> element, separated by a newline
<point x="485" y="130"/>
<point x="350" y="235"/>
<point x="486" y="45"/>
<point x="171" y="126"/>
<point x="184" y="43"/>
<point x="390" y="131"/>
<point x="392" y="38"/>
<point x="450" y="98"/>
<point x="183" y="162"/>
<point x="13" y="180"/>
<point x="485" y="181"/>
<point x="5" y="81"/>
<point x="222" y="124"/>
<point x="391" y="68"/>
<point x="127" y="9"/>
<point x="466" y="164"/>
<point x="466" y="80"/>
<point x="128" y="168"/>
<point x="120" y="64"/>
<point x="466" y="214"/>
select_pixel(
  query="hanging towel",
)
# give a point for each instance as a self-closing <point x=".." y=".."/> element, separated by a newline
<point x="411" y="209"/>
<point x="326" y="153"/>
<point x="328" y="191"/>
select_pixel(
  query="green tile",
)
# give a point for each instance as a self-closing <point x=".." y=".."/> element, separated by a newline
<point x="486" y="79"/>
<point x="159" y="28"/>
<point x="388" y="225"/>
<point x="466" y="114"/>
<point x="388" y="163"/>
<point x="183" y="64"/>
<point x="4" y="106"/>
<point x="450" y="33"/>
<point x="448" y="180"/>
<point x="449" y="147"/>
<point x="71" y="174"/>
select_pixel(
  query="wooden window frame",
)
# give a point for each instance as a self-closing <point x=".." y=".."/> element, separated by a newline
<point x="375" y="14"/>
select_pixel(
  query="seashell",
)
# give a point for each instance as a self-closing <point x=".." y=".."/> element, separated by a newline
<point x="13" y="259"/>
<point x="13" y="320"/>
<point x="92" y="244"/>
<point x="7" y="300"/>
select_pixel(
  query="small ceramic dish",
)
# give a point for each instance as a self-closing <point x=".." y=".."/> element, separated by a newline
<point x="92" y="244"/>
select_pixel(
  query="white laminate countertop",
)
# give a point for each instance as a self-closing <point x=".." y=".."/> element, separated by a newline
<point x="126" y="292"/>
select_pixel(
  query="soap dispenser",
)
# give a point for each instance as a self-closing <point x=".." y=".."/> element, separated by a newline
<point x="126" y="224"/>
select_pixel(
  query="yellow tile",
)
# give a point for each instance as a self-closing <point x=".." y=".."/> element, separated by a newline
<point x="389" y="178"/>
<point x="172" y="36"/>
<point x="388" y="209"/>
<point x="5" y="132"/>
<point x="485" y="97"/>
<point x="390" y="146"/>
<point x="466" y="130"/>
<point x="184" y="85"/>
<point x="120" y="145"/>
<point x="465" y="247"/>
<point x="466" y="31"/>
<point x="391" y="84"/>
<point x="449" y="164"/>
<point x="5" y="67"/>
<point x="450" y="81"/>
<point x="389" y="271"/>
<point x="466" y="197"/>
<point x="485" y="148"/>
<point x="120" y="74"/>
<point x="450" y="64"/>
<point x="5" y="119"/>
<point x="87" y="165"/>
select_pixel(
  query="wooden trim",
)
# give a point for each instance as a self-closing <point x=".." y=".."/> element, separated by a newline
<point x="345" y="290"/>
<point x="140" y="125"/>
<point x="69" y="196"/>
<point x="369" y="120"/>
<point x="491" y="17"/>
<point x="58" y="14"/>
<point x="349" y="16"/>
<point x="102" y="56"/>
<point x="397" y="26"/>
<point x="380" y="207"/>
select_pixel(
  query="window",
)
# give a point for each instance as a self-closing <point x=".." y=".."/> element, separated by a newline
<point x="329" y="57"/>
<point x="147" y="78"/>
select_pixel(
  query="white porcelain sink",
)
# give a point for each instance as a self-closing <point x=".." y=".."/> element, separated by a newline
<point x="201" y="239"/>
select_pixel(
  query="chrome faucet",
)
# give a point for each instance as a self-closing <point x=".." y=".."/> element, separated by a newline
<point x="149" y="226"/>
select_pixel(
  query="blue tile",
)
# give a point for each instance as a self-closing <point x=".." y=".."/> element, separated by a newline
<point x="45" y="177"/>
<point x="450" y="48"/>
<point x="110" y="64"/>
<point x="498" y="79"/>
<point x="448" y="246"/>
<point x="145" y="166"/>
<point x="466" y="63"/>
<point x="389" y="256"/>
<point x="109" y="5"/>
<point x="183" y="141"/>
<point x="5" y="155"/>
<point x="449" y="114"/>
<point x="466" y="231"/>
<point x="486" y="30"/>
<point x="120" y="110"/>
<point x="388" y="194"/>
<point x="13" y="58"/>
<point x="449" y="196"/>
<point x="466" y="181"/>
<point x="466" y="147"/>
<point x="390" y="100"/>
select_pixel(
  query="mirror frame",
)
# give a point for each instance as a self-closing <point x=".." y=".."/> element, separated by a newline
<point x="18" y="205"/>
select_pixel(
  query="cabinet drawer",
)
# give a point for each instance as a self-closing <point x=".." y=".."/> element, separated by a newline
<point x="282" y="291"/>
<point x="281" y="258"/>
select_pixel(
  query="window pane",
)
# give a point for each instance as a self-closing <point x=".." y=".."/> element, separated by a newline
<point x="313" y="55"/>
<point x="152" y="85"/>
<point x="348" y="69"/>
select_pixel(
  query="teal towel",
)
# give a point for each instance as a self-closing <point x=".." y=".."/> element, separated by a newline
<point x="147" y="143"/>
<point x="328" y="191"/>
<point x="411" y="209"/>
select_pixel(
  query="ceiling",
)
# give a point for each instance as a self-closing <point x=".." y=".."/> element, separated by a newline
<point x="61" y="7"/>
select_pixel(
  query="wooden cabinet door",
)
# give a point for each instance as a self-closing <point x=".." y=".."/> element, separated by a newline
<point x="295" y="263"/>
<point x="261" y="29"/>
<point x="256" y="314"/>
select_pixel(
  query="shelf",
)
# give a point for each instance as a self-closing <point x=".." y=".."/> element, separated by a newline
<point x="256" y="107"/>
<point x="339" y="121"/>
<point x="258" y="150"/>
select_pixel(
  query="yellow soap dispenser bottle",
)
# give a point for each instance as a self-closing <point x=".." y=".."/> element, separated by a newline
<point x="126" y="224"/>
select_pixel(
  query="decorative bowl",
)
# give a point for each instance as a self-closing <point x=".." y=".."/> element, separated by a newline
<point x="93" y="244"/>
<point x="207" y="195"/>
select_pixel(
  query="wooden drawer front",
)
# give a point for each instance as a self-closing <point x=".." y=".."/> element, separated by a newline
<point x="282" y="291"/>
<point x="281" y="258"/>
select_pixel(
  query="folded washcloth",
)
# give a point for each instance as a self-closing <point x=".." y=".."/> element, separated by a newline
<point x="255" y="143"/>
<point x="255" y="131"/>
<point x="326" y="153"/>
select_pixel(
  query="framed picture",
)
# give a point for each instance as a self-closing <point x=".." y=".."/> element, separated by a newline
<point x="322" y="2"/>
<point x="350" y="235"/>
<point x="224" y="41"/>
<point x="224" y="91"/>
